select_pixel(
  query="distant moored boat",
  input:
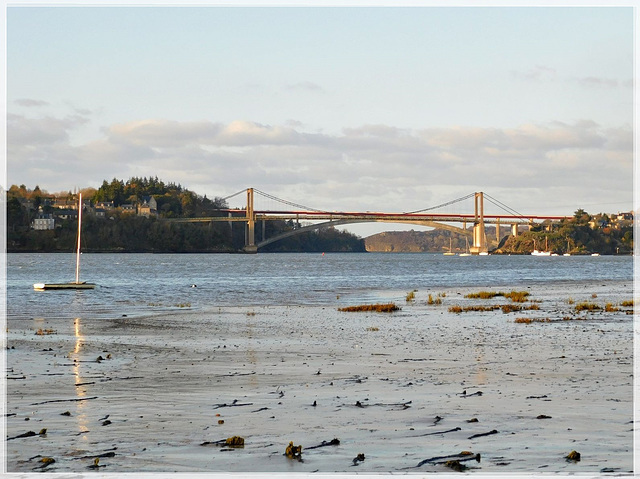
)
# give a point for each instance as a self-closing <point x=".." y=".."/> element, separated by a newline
<point x="77" y="284"/>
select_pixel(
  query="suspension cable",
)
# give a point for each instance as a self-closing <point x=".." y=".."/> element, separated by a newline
<point x="296" y="205"/>
<point x="440" y="206"/>
<point x="501" y="205"/>
<point x="235" y="194"/>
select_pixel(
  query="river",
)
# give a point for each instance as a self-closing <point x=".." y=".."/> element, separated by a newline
<point x="143" y="284"/>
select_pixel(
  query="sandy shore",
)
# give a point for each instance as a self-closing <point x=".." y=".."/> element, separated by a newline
<point x="402" y="388"/>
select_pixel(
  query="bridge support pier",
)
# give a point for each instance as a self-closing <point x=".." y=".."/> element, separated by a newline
<point x="250" y="238"/>
<point x="479" y="236"/>
<point x="514" y="229"/>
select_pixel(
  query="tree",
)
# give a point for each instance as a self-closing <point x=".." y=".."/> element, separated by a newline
<point x="581" y="217"/>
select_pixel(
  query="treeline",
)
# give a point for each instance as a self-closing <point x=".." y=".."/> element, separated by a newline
<point x="124" y="231"/>
<point x="173" y="200"/>
<point x="581" y="234"/>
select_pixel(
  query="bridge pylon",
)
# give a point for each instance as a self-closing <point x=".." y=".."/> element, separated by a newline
<point x="479" y="236"/>
<point x="250" y="237"/>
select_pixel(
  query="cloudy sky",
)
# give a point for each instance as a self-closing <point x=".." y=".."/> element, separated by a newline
<point x="349" y="108"/>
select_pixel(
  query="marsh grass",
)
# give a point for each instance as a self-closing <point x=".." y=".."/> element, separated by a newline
<point x="515" y="296"/>
<point x="44" y="332"/>
<point x="411" y="295"/>
<point x="610" y="308"/>
<point x="437" y="300"/>
<point x="532" y="320"/>
<point x="460" y="309"/>
<point x="510" y="308"/>
<point x="483" y="295"/>
<point x="378" y="308"/>
<point x="627" y="304"/>
<point x="587" y="306"/>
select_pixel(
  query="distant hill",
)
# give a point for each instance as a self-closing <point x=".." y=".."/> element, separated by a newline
<point x="433" y="241"/>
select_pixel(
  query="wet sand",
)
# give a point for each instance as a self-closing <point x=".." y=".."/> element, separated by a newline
<point x="405" y="389"/>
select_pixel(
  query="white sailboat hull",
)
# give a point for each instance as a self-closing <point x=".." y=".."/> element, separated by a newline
<point x="72" y="285"/>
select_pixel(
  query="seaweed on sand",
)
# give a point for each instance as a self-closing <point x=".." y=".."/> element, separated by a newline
<point x="379" y="308"/>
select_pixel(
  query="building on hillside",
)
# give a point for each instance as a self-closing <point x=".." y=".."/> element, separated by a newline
<point x="149" y="207"/>
<point x="625" y="216"/>
<point x="65" y="204"/>
<point x="105" y="205"/>
<point x="66" y="214"/>
<point x="128" y="208"/>
<point x="43" y="222"/>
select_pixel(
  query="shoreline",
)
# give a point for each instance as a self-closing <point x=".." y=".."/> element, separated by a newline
<point x="399" y="388"/>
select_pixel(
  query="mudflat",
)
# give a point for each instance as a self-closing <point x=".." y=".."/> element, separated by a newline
<point x="421" y="390"/>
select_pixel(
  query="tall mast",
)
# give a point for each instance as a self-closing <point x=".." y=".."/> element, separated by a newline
<point x="79" y="230"/>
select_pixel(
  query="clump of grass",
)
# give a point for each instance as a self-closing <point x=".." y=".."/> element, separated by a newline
<point x="570" y="301"/>
<point x="373" y="328"/>
<point x="627" y="304"/>
<point x="460" y="309"/>
<point x="411" y="295"/>
<point x="483" y="295"/>
<point x="510" y="308"/>
<point x="586" y="306"/>
<point x="251" y="313"/>
<point x="437" y="300"/>
<point x="442" y="295"/>
<point x="378" y="308"/>
<point x="517" y="296"/>
<point x="610" y="308"/>
<point x="533" y="307"/>
<point x="182" y="305"/>
<point x="594" y="295"/>
<point x="532" y="320"/>
<point x="573" y="318"/>
<point x="43" y="332"/>
<point x="481" y="308"/>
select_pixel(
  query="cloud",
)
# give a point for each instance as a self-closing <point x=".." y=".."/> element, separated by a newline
<point x="304" y="86"/>
<point x="371" y="167"/>
<point x="537" y="73"/>
<point x="25" y="131"/>
<point x="163" y="133"/>
<point x="28" y="102"/>
<point x="599" y="82"/>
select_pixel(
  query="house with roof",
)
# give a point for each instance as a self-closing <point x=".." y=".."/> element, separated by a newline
<point x="148" y="207"/>
<point x="43" y="222"/>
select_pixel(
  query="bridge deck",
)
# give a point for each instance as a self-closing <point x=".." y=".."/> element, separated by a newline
<point x="240" y="215"/>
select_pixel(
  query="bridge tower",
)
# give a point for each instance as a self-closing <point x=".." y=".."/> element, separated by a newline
<point x="250" y="238"/>
<point x="479" y="237"/>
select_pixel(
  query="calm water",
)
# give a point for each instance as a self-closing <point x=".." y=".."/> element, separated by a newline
<point x="135" y="284"/>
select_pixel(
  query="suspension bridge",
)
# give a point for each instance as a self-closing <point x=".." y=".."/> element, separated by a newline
<point x="297" y="213"/>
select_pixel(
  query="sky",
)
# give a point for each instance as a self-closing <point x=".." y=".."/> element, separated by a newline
<point x="359" y="108"/>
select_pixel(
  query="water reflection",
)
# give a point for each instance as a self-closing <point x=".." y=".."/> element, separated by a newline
<point x="80" y="391"/>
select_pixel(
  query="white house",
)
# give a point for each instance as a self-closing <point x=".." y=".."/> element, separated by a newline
<point x="44" y="223"/>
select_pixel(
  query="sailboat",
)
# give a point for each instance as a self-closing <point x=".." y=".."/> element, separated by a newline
<point x="77" y="284"/>
<point x="466" y="251"/>
<point x="449" y="253"/>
